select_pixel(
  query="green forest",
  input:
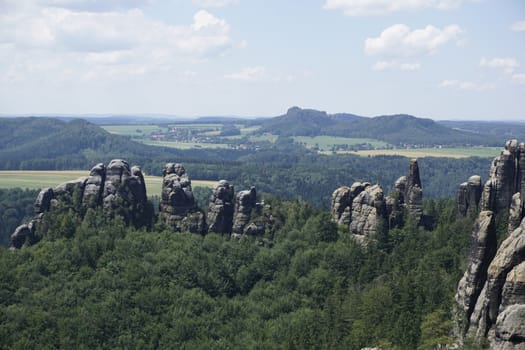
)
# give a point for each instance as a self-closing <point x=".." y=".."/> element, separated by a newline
<point x="94" y="283"/>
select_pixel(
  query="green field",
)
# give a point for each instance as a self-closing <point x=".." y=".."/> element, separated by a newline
<point x="43" y="179"/>
<point x="435" y="152"/>
<point x="196" y="126"/>
<point x="134" y="130"/>
<point x="183" y="145"/>
<point x="325" y="143"/>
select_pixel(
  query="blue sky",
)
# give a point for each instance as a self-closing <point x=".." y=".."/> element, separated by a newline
<point x="442" y="59"/>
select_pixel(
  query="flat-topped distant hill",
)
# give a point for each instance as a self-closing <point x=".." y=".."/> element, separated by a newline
<point x="398" y="129"/>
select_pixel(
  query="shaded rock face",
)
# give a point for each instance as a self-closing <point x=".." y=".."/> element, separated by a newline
<point x="177" y="205"/>
<point x="220" y="210"/>
<point x="365" y="208"/>
<point x="342" y="199"/>
<point x="483" y="249"/>
<point x="491" y="295"/>
<point x="506" y="177"/>
<point x="468" y="196"/>
<point x="246" y="201"/>
<point x="368" y="209"/>
<point x="408" y="195"/>
<point x="118" y="188"/>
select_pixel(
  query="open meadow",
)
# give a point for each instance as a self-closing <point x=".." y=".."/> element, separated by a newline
<point x="326" y="143"/>
<point x="42" y="179"/>
<point x="485" y="152"/>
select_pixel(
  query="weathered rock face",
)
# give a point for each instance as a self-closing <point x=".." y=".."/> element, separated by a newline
<point x="408" y="194"/>
<point x="124" y="188"/>
<point x="468" y="196"/>
<point x="177" y="205"/>
<point x="491" y="294"/>
<point x="118" y="188"/>
<point x="246" y="201"/>
<point x="414" y="192"/>
<point x="368" y="209"/>
<point x="342" y="199"/>
<point x="220" y="210"/>
<point x="342" y="205"/>
<point x="506" y="177"/>
<point x="483" y="249"/>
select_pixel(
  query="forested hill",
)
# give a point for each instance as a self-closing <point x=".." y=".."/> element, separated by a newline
<point x="40" y="143"/>
<point x="507" y="129"/>
<point x="395" y="129"/>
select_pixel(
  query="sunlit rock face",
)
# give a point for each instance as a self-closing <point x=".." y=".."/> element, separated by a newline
<point x="490" y="300"/>
<point x="118" y="188"/>
<point x="177" y="206"/>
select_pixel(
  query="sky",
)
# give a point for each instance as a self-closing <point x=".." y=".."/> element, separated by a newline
<point x="440" y="59"/>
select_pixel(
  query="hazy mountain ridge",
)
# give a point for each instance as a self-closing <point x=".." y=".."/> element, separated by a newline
<point x="508" y="129"/>
<point x="396" y="129"/>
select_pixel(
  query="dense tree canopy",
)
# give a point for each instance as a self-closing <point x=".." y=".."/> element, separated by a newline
<point x="95" y="283"/>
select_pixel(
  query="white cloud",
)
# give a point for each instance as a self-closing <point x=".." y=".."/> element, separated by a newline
<point x="518" y="26"/>
<point x="508" y="64"/>
<point x="466" y="85"/>
<point x="107" y="44"/>
<point x="406" y="66"/>
<point x="519" y="78"/>
<point x="399" y="47"/>
<point x="214" y="3"/>
<point x="399" y="41"/>
<point x="380" y="7"/>
<point x="256" y="73"/>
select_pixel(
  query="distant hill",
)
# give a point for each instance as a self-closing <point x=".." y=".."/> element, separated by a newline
<point x="510" y="130"/>
<point x="48" y="143"/>
<point x="395" y="129"/>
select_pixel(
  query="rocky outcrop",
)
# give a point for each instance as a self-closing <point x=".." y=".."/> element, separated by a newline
<point x="220" y="209"/>
<point x="251" y="218"/>
<point x="368" y="210"/>
<point x="468" y="196"/>
<point x="177" y="206"/>
<point x="365" y="208"/>
<point x="406" y="197"/>
<point x="342" y="199"/>
<point x="506" y="177"/>
<point x="409" y="195"/>
<point x="119" y="189"/>
<point x="342" y="205"/>
<point x="483" y="249"/>
<point x="246" y="201"/>
<point x="491" y="295"/>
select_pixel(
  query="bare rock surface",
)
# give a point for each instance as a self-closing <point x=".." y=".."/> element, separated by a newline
<point x="177" y="206"/>
<point x="469" y="195"/>
<point x="119" y="189"/>
<point x="221" y="207"/>
<point x="491" y="295"/>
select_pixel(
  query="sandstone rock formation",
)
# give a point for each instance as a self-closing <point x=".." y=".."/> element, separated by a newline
<point x="365" y="208"/>
<point x="220" y="210"/>
<point x="342" y="199"/>
<point x="491" y="295"/>
<point x="246" y="201"/>
<point x="468" y="196"/>
<point x="506" y="177"/>
<point x="368" y="209"/>
<point x="118" y="188"/>
<point x="177" y="206"/>
<point x="409" y="195"/>
<point x="342" y="206"/>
